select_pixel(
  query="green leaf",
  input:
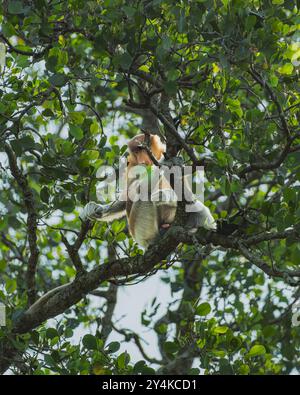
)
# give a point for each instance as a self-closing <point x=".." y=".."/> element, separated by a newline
<point x="66" y="204"/>
<point x="91" y="154"/>
<point x="76" y="131"/>
<point x="35" y="336"/>
<point x="102" y="142"/>
<point x="118" y="226"/>
<point x="162" y="328"/>
<point x="17" y="147"/>
<point x="123" y="360"/>
<point x="91" y="253"/>
<point x="45" y="195"/>
<point x="171" y="347"/>
<point x="90" y="342"/>
<point x="58" y="79"/>
<point x="49" y="360"/>
<point x="225" y="186"/>
<point x="3" y="264"/>
<point x="138" y="367"/>
<point x="170" y="87"/>
<point x="273" y="80"/>
<point x="173" y="74"/>
<point x="77" y="117"/>
<point x="181" y="21"/>
<point x="129" y="11"/>
<point x="51" y="333"/>
<point x="10" y="285"/>
<point x="144" y="68"/>
<point x="48" y="113"/>
<point x="219" y="353"/>
<point x="67" y="148"/>
<point x="256" y="350"/>
<point x="250" y="22"/>
<point x="220" y="329"/>
<point x="69" y="332"/>
<point x="286" y="69"/>
<point x="113" y="347"/>
<point x="15" y="7"/>
<point x="94" y="128"/>
<point x="121" y="237"/>
<point x="235" y="106"/>
<point x="203" y="309"/>
<point x="194" y="372"/>
<point x="52" y="63"/>
<point x="244" y="369"/>
<point x="124" y="60"/>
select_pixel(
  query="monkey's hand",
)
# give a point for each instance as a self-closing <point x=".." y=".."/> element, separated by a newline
<point x="200" y="216"/>
<point x="175" y="161"/>
<point x="92" y="211"/>
<point x="105" y="213"/>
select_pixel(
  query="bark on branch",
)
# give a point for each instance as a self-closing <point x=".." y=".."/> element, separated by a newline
<point x="31" y="222"/>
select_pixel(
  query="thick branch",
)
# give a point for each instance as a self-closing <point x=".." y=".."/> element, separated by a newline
<point x="31" y="222"/>
<point x="111" y="301"/>
<point x="88" y="281"/>
<point x="68" y="295"/>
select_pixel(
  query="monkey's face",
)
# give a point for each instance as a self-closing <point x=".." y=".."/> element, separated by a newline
<point x="139" y="156"/>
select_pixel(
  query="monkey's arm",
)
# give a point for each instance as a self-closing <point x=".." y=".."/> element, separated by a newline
<point x="105" y="213"/>
<point x="200" y="216"/>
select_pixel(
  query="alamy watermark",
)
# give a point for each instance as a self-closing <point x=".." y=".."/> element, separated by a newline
<point x="296" y="314"/>
<point x="152" y="183"/>
<point x="2" y="55"/>
<point x="2" y="315"/>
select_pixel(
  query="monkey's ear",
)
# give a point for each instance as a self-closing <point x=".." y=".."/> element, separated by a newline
<point x="157" y="147"/>
<point x="131" y="145"/>
<point x="131" y="160"/>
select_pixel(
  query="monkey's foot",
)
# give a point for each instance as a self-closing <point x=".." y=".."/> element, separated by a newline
<point x="163" y="229"/>
<point x="90" y="211"/>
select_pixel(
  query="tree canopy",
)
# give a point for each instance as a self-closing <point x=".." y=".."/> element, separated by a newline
<point x="219" y="79"/>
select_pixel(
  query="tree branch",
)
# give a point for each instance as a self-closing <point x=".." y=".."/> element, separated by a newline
<point x="258" y="78"/>
<point x="31" y="222"/>
<point x="11" y="48"/>
<point x="138" y="343"/>
<point x="287" y="275"/>
<point x="65" y="296"/>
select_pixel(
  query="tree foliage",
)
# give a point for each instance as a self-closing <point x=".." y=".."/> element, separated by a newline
<point x="217" y="78"/>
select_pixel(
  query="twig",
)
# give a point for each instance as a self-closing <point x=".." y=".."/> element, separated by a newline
<point x="35" y="55"/>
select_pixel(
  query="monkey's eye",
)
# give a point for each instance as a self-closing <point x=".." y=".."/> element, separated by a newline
<point x="138" y="148"/>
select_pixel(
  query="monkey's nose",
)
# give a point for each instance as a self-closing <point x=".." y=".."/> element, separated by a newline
<point x="146" y="163"/>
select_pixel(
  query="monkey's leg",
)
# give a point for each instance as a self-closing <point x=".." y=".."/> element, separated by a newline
<point x="143" y="222"/>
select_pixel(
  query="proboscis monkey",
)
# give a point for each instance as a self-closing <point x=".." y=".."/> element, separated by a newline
<point x="147" y="218"/>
